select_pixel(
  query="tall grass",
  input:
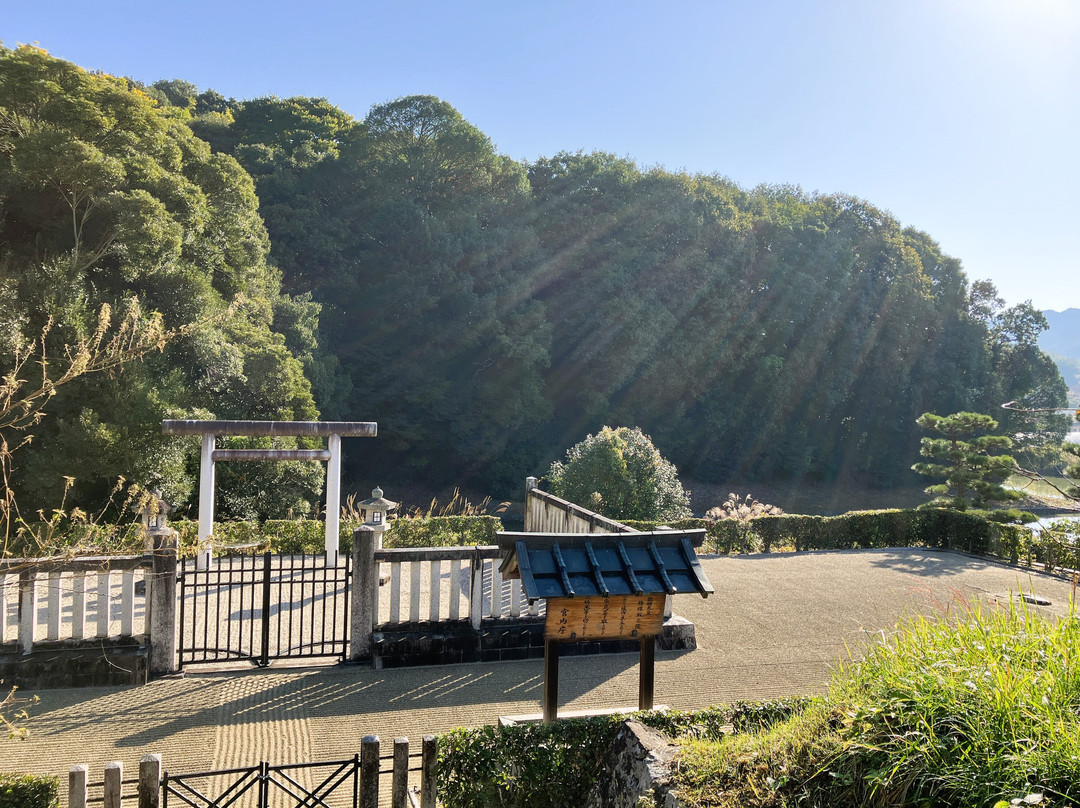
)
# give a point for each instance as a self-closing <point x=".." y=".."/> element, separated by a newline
<point x="980" y="708"/>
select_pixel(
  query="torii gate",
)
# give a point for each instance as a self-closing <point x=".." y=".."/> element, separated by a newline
<point x="334" y="431"/>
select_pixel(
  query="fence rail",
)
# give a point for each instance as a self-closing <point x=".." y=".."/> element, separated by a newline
<point x="48" y="600"/>
<point x="435" y="584"/>
<point x="355" y="782"/>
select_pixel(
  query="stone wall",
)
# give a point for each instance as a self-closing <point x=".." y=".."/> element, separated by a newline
<point x="446" y="642"/>
<point x="63" y="665"/>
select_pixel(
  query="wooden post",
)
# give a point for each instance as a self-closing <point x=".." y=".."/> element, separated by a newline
<point x="150" y="781"/>
<point x="428" y="761"/>
<point x="369" y="772"/>
<point x="206" y="501"/>
<point x="161" y="622"/>
<point x="77" y="786"/>
<point x="399" y="790"/>
<point x="54" y="608"/>
<point x="530" y="484"/>
<point x="333" y="498"/>
<point x="476" y="592"/>
<point x="646" y="674"/>
<point x="114" y="779"/>
<point x="104" y="602"/>
<point x="551" y="680"/>
<point x="365" y="594"/>
<point x="78" y="604"/>
<point x="28" y="605"/>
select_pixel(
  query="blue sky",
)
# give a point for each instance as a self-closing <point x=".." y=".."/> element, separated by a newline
<point x="961" y="117"/>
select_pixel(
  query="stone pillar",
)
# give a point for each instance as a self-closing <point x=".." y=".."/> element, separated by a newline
<point x="428" y="762"/>
<point x="399" y="788"/>
<point x="369" y="771"/>
<point x="162" y="622"/>
<point x="114" y="779"/>
<point x="150" y="781"/>
<point x="365" y="594"/>
<point x="77" y="786"/>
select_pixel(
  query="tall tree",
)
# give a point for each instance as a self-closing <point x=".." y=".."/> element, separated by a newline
<point x="105" y="199"/>
<point x="968" y="459"/>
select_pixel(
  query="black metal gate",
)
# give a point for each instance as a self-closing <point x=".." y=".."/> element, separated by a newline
<point x="298" y="785"/>
<point x="264" y="607"/>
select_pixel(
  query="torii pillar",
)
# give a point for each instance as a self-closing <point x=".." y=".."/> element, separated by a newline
<point x="333" y="431"/>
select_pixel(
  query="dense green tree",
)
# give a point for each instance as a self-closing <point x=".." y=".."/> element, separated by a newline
<point x="621" y="474"/>
<point x="103" y="200"/>
<point x="967" y="458"/>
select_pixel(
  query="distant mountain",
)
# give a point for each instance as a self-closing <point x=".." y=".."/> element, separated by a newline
<point x="1062" y="341"/>
<point x="1063" y="338"/>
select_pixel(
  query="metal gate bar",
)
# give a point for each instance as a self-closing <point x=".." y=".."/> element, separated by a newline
<point x="303" y="609"/>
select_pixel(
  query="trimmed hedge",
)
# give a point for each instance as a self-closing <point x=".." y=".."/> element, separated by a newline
<point x="928" y="527"/>
<point x="555" y="765"/>
<point x="29" y="791"/>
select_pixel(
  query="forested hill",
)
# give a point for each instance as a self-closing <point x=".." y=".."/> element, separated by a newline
<point x="489" y="313"/>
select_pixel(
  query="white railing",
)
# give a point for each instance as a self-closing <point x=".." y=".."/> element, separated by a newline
<point x="547" y="513"/>
<point x="434" y="584"/>
<point x="51" y="600"/>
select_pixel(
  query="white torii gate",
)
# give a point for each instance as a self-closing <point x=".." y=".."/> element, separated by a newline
<point x="334" y="431"/>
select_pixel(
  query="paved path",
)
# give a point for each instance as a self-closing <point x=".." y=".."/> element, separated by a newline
<point x="775" y="626"/>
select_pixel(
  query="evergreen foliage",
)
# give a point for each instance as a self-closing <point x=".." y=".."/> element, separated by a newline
<point x="966" y="459"/>
<point x="620" y="474"/>
<point x="483" y="311"/>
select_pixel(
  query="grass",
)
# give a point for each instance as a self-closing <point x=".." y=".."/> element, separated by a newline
<point x="979" y="708"/>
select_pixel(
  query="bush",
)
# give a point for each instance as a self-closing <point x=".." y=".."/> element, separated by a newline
<point x="620" y="474"/>
<point x="861" y="529"/>
<point x="541" y="765"/>
<point x="29" y="791"/>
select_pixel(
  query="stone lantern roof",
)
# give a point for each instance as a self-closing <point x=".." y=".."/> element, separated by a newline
<point x="377" y="502"/>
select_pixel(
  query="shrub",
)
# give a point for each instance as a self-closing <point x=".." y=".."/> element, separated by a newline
<point x="29" y="791"/>
<point x="541" y="765"/>
<point x="620" y="474"/>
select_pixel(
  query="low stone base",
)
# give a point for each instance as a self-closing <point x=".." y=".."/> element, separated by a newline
<point x="443" y="643"/>
<point x="63" y="665"/>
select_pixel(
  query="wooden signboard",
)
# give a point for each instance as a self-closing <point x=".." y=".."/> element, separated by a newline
<point x="618" y="617"/>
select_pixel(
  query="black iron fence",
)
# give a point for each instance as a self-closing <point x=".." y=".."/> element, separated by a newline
<point x="356" y="782"/>
<point x="264" y="607"/>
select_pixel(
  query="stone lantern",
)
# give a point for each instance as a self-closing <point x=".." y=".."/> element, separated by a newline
<point x="155" y="520"/>
<point x="375" y="512"/>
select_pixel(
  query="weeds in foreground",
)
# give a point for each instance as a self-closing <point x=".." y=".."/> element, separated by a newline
<point x="982" y="711"/>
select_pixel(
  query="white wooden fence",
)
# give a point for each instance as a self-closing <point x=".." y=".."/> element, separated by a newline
<point x="48" y="600"/>
<point x="433" y="584"/>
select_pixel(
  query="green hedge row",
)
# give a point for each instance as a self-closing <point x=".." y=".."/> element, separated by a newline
<point x="860" y="529"/>
<point x="555" y="765"/>
<point x="29" y="791"/>
<point x="275" y="535"/>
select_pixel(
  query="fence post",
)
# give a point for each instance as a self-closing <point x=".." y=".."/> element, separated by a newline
<point x="429" y="759"/>
<point x="399" y="790"/>
<point x="162" y="624"/>
<point x="77" y="783"/>
<point x="369" y="772"/>
<point x="150" y="781"/>
<point x="365" y="594"/>
<point x="476" y="591"/>
<point x="114" y="780"/>
<point x="530" y="484"/>
<point x="28" y="604"/>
